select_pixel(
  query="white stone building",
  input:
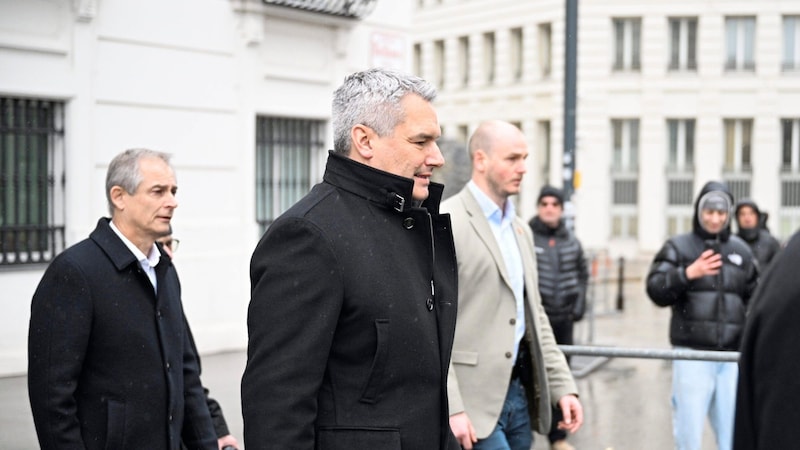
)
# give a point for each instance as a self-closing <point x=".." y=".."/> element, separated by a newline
<point x="669" y="95"/>
<point x="237" y="90"/>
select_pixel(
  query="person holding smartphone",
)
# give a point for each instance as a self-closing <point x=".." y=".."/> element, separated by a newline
<point x="707" y="277"/>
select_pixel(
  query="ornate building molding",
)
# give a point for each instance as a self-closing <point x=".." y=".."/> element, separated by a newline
<point x="85" y="10"/>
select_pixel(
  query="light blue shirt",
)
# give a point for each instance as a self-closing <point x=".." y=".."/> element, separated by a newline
<point x="148" y="262"/>
<point x="502" y="225"/>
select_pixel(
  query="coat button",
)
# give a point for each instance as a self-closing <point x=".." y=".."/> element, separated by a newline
<point x="168" y="367"/>
<point x="408" y="223"/>
<point x="509" y="355"/>
<point x="513" y="321"/>
<point x="158" y="313"/>
<point x="429" y="304"/>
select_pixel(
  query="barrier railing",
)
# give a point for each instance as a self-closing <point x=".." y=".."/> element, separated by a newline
<point x="650" y="353"/>
<point x="602" y="355"/>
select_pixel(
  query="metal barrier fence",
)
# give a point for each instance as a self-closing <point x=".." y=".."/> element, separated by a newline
<point x="603" y="354"/>
<point x="650" y="353"/>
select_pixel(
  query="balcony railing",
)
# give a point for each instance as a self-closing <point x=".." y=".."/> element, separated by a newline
<point x="352" y="9"/>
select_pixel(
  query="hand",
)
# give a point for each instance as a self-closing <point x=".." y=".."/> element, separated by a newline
<point x="462" y="429"/>
<point x="572" y="413"/>
<point x="227" y="441"/>
<point x="708" y="263"/>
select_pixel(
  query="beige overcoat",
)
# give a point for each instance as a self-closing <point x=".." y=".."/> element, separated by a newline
<point x="481" y="362"/>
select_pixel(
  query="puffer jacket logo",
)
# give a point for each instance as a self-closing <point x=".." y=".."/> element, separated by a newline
<point x="736" y="258"/>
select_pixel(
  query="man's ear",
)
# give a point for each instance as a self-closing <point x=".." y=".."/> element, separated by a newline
<point x="117" y="195"/>
<point x="479" y="160"/>
<point x="361" y="141"/>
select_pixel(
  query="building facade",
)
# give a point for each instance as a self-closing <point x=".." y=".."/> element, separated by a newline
<point x="238" y="91"/>
<point x="669" y="96"/>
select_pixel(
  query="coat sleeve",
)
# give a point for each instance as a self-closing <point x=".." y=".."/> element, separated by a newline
<point x="58" y="336"/>
<point x="296" y="296"/>
<point x="220" y="424"/>
<point x="579" y="309"/>
<point x="666" y="280"/>
<point x="198" y="430"/>
<point x="766" y="413"/>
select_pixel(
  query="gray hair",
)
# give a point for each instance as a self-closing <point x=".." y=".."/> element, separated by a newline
<point x="372" y="98"/>
<point x="123" y="171"/>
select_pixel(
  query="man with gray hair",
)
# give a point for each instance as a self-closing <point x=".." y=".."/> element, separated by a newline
<point x="353" y="289"/>
<point x="110" y="363"/>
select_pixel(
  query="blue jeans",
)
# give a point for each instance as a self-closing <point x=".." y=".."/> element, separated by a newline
<point x="513" y="429"/>
<point x="701" y="388"/>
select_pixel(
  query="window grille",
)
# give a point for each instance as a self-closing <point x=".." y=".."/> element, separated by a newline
<point x="680" y="192"/>
<point x="285" y="153"/>
<point x="31" y="180"/>
<point x="739" y="185"/>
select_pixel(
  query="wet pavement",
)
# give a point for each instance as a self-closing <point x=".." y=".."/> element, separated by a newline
<point x="626" y="400"/>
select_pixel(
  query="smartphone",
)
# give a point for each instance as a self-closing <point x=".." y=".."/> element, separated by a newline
<point x="712" y="244"/>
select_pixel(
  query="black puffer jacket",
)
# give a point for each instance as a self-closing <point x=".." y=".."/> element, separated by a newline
<point x="563" y="275"/>
<point x="707" y="313"/>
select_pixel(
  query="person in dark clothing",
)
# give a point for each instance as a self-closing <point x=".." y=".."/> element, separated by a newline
<point x="563" y="279"/>
<point x="768" y="393"/>
<point x="110" y="362"/>
<point x="707" y="277"/>
<point x="225" y="440"/>
<point x="751" y="226"/>
<point x="354" y="289"/>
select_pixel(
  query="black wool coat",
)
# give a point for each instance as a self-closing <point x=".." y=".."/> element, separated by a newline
<point x="767" y="415"/>
<point x="351" y="319"/>
<point x="110" y="364"/>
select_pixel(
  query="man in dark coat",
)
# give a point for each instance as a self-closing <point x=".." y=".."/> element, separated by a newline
<point x="110" y="364"/>
<point x="563" y="279"/>
<point x="751" y="227"/>
<point x="707" y="277"/>
<point x="353" y="298"/>
<point x="768" y="393"/>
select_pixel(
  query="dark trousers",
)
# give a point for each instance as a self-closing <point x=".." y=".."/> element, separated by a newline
<point x="562" y="330"/>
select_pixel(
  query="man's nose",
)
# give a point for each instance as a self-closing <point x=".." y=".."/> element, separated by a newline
<point x="435" y="157"/>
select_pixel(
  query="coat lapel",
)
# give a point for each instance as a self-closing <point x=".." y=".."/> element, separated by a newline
<point x="478" y="222"/>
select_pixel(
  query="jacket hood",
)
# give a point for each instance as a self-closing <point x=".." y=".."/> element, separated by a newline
<point x="713" y="191"/>
<point x="748" y="234"/>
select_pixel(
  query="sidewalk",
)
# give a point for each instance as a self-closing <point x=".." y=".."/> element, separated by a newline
<point x="626" y="401"/>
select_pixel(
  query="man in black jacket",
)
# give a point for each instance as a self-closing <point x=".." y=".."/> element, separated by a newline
<point x="563" y="278"/>
<point x="707" y="277"/>
<point x="110" y="363"/>
<point x="353" y="289"/>
<point x="751" y="226"/>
